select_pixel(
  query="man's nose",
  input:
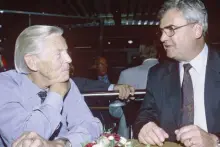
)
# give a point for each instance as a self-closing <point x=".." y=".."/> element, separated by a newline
<point x="67" y="58"/>
<point x="164" y="37"/>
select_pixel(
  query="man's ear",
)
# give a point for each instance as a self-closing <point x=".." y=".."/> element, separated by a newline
<point x="31" y="61"/>
<point x="198" y="30"/>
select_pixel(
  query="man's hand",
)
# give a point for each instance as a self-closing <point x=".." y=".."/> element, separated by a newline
<point x="124" y="91"/>
<point x="61" y="88"/>
<point x="32" y="139"/>
<point x="152" y="134"/>
<point x="193" y="136"/>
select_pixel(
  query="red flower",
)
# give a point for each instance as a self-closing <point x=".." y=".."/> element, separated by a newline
<point x="90" y="144"/>
<point x="116" y="136"/>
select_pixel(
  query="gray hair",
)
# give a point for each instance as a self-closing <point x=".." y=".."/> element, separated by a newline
<point x="30" y="41"/>
<point x="147" y="51"/>
<point x="193" y="11"/>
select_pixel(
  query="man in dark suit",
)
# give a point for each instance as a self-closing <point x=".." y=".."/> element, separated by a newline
<point x="183" y="96"/>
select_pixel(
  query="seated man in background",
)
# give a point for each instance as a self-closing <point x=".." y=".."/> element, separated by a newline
<point x="39" y="96"/>
<point x="89" y="85"/>
<point x="137" y="76"/>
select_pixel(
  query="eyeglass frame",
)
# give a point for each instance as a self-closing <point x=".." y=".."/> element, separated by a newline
<point x="173" y="29"/>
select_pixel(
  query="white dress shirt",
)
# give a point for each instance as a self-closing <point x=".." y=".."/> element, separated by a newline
<point x="198" y="72"/>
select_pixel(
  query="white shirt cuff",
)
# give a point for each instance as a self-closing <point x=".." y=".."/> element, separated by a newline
<point x="111" y="87"/>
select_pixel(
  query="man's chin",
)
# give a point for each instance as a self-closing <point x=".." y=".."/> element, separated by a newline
<point x="65" y="78"/>
<point x="60" y="80"/>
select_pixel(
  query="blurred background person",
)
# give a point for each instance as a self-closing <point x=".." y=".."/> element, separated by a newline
<point x="137" y="77"/>
<point x="101" y="70"/>
<point x="3" y="64"/>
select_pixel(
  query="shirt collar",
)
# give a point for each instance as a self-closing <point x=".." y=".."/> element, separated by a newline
<point x="33" y="88"/>
<point x="149" y="59"/>
<point x="199" y="62"/>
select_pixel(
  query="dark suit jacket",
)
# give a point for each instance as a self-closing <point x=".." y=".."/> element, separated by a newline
<point x="163" y="100"/>
<point x="88" y="85"/>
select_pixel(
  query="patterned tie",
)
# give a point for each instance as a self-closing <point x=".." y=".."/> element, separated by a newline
<point x="42" y="95"/>
<point x="188" y="97"/>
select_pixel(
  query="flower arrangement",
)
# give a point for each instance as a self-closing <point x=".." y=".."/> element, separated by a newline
<point x="110" y="140"/>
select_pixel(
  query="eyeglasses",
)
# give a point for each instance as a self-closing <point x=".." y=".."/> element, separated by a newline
<point x="170" y="30"/>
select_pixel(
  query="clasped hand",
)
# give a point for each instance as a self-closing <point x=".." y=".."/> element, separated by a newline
<point x="190" y="136"/>
<point x="124" y="91"/>
<point x="32" y="139"/>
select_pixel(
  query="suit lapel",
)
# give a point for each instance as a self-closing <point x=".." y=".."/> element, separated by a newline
<point x="212" y="89"/>
<point x="173" y="91"/>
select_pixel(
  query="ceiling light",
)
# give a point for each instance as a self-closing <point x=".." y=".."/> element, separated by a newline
<point x="145" y="23"/>
<point x="109" y="42"/>
<point x="151" y="23"/>
<point x="133" y="22"/>
<point x="130" y="41"/>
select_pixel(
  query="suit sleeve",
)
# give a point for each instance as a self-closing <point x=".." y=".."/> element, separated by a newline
<point x="148" y="110"/>
<point x="88" y="85"/>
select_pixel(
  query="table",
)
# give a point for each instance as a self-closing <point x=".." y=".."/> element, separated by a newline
<point x="167" y="144"/>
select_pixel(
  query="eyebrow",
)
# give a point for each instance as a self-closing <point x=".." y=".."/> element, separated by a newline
<point x="169" y="26"/>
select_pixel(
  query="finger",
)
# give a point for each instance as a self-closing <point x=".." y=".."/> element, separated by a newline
<point x="192" y="142"/>
<point x="164" y="133"/>
<point x="197" y="141"/>
<point x="141" y="139"/>
<point x="25" y="143"/>
<point x="37" y="143"/>
<point x="177" y="131"/>
<point x="121" y="92"/>
<point x="187" y="143"/>
<point x="132" y="90"/>
<point x="187" y="135"/>
<point x="149" y="140"/>
<point x="132" y="98"/>
<point x="32" y="135"/>
<point x="160" y="134"/>
<point x="145" y="139"/>
<point x="183" y="130"/>
<point x="127" y="92"/>
<point x="155" y="138"/>
<point x="15" y="144"/>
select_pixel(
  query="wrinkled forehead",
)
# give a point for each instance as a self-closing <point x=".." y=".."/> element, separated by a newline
<point x="55" y="42"/>
<point x="172" y="17"/>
